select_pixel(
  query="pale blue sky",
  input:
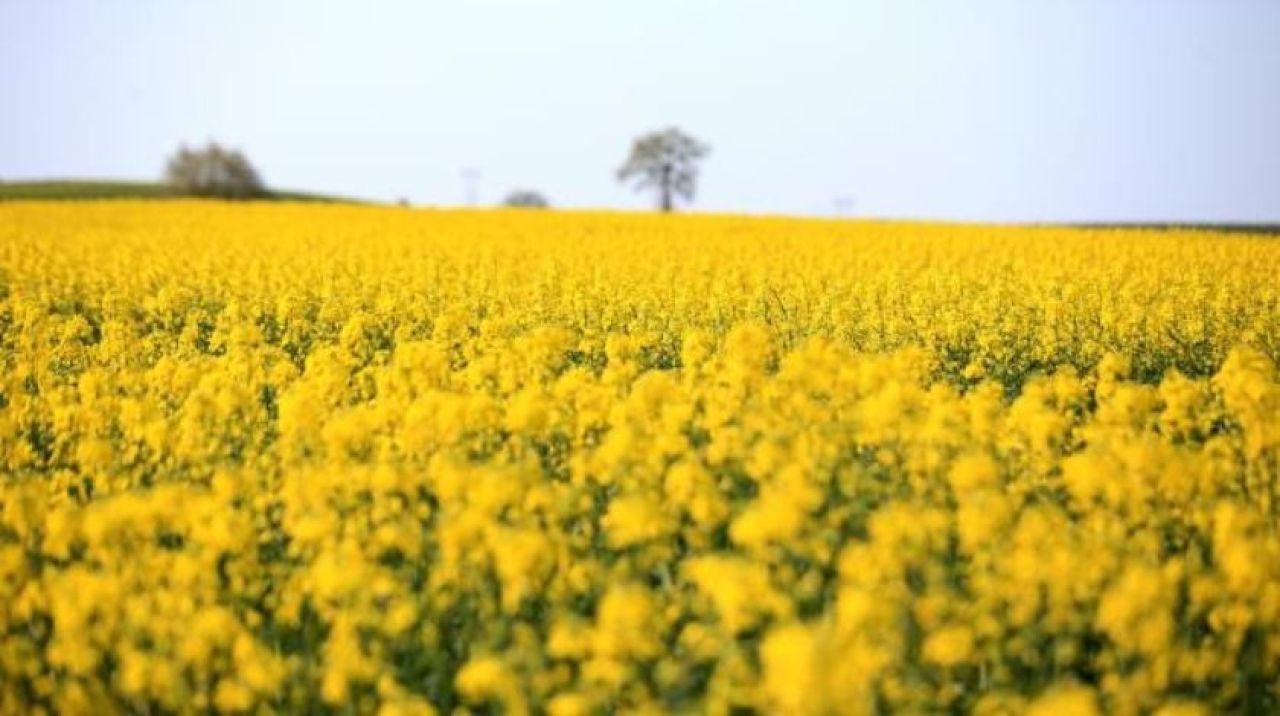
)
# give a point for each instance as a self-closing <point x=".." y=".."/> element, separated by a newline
<point x="1018" y="110"/>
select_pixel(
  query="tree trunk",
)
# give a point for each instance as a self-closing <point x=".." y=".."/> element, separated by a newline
<point x="665" y="188"/>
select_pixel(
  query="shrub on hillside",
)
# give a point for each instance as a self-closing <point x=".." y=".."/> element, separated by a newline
<point x="214" y="171"/>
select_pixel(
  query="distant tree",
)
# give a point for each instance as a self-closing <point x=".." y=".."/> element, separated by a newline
<point x="214" y="172"/>
<point x="526" y="199"/>
<point x="667" y="161"/>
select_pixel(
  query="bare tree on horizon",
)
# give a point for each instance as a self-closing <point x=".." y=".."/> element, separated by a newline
<point x="665" y="160"/>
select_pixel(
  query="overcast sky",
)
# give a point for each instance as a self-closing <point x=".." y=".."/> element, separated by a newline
<point x="1018" y="110"/>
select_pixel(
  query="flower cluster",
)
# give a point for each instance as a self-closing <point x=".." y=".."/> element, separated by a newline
<point x="360" y="460"/>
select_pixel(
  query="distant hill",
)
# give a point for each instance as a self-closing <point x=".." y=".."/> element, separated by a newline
<point x="1179" y="226"/>
<point x="107" y="189"/>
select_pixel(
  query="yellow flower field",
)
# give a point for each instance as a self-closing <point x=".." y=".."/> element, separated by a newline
<point x="271" y="457"/>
